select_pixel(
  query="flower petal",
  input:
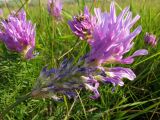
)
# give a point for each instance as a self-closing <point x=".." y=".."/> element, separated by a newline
<point x="130" y="59"/>
<point x="140" y="52"/>
<point x="122" y="73"/>
<point x="115" y="81"/>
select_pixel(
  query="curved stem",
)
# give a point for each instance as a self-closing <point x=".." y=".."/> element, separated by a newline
<point x="24" y="98"/>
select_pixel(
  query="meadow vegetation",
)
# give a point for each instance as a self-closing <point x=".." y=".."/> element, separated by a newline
<point x="138" y="99"/>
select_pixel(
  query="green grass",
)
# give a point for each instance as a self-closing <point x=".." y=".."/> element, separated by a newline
<point x="138" y="99"/>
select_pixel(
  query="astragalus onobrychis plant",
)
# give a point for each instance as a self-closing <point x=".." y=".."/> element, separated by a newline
<point x="109" y="37"/>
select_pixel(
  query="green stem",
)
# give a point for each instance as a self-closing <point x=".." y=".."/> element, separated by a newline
<point x="24" y="98"/>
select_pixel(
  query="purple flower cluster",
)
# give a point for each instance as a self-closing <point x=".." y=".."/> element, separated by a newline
<point x="81" y="25"/>
<point x="109" y="35"/>
<point x="68" y="78"/>
<point x="18" y="34"/>
<point x="150" y="39"/>
<point x="55" y="8"/>
<point x="64" y="80"/>
<point x="112" y="37"/>
<point x="111" y="40"/>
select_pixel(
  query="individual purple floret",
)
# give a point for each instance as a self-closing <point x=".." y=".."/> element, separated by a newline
<point x="116" y="75"/>
<point x="18" y="34"/>
<point x="150" y="39"/>
<point x="81" y="25"/>
<point x="55" y="8"/>
<point x="112" y="37"/>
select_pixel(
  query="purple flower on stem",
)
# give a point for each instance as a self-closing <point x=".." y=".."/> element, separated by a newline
<point x="112" y="37"/>
<point x="150" y="39"/>
<point x="111" y="40"/>
<point x="81" y="25"/>
<point x="64" y="80"/>
<point x="18" y="34"/>
<point x="55" y="8"/>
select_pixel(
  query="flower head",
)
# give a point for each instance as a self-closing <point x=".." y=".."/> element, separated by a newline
<point x="64" y="80"/>
<point x="112" y="37"/>
<point x="18" y="34"/>
<point x="68" y="78"/>
<point x="150" y="39"/>
<point x="55" y="8"/>
<point x="81" y="25"/>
